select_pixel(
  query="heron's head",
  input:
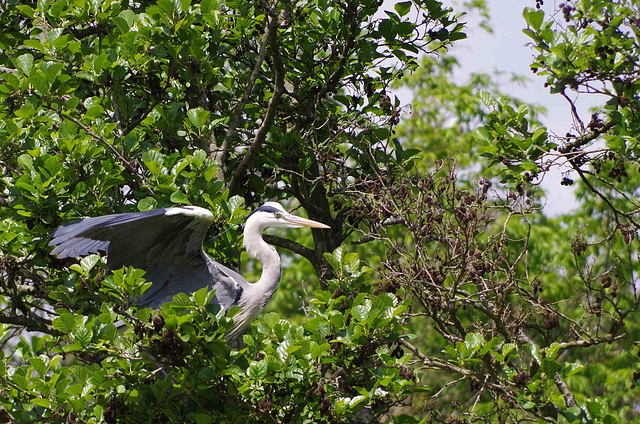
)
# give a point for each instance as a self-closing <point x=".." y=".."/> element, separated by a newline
<point x="272" y="214"/>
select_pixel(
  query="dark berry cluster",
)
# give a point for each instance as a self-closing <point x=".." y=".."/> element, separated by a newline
<point x="628" y="232"/>
<point x="390" y="286"/>
<point x="596" y="123"/>
<point x="566" y="11"/>
<point x="521" y="379"/>
<point x="578" y="245"/>
<point x="406" y="373"/>
<point x="618" y="172"/>
<point x="566" y="181"/>
<point x="324" y="404"/>
<point x="551" y="320"/>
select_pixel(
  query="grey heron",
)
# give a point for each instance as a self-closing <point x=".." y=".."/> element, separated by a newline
<point x="167" y="245"/>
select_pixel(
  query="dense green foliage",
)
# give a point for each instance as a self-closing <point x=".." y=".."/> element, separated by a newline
<point x="442" y="293"/>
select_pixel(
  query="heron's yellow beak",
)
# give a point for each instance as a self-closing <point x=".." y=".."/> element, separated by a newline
<point x="296" y="221"/>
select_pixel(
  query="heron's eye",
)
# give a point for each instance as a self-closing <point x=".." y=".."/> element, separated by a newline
<point x="277" y="214"/>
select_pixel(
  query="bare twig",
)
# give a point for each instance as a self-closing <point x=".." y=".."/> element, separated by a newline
<point x="605" y="199"/>
<point x="141" y="117"/>
<point x="608" y="338"/>
<point x="436" y="363"/>
<point x="574" y="111"/>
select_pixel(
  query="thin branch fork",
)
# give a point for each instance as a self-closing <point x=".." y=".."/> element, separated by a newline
<point x="605" y="199"/>
<point x="443" y="365"/>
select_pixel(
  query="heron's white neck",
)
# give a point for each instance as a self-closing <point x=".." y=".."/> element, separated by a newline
<point x="255" y="296"/>
<point x="257" y="248"/>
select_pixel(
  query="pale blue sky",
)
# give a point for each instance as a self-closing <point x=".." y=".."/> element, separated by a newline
<point x="506" y="50"/>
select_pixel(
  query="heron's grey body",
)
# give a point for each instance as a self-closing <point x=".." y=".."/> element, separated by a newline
<point x="167" y="244"/>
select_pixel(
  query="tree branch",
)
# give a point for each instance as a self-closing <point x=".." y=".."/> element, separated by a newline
<point x="569" y="399"/>
<point x="31" y="324"/>
<point x="332" y="81"/>
<point x="138" y="119"/>
<point x="587" y="137"/>
<point x="132" y="169"/>
<point x="99" y="29"/>
<point x="291" y="245"/>
<point x="101" y="140"/>
<point x="274" y="103"/>
<point x="239" y="109"/>
<point x="608" y="338"/>
<point x="444" y="365"/>
<point x="606" y="200"/>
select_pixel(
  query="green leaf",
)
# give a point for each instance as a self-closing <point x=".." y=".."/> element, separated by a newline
<point x="152" y="156"/>
<point x="198" y="116"/>
<point x="40" y="83"/>
<point x="386" y="29"/>
<point x="403" y="7"/>
<point x="258" y="370"/>
<point x="129" y="17"/>
<point x="208" y="6"/>
<point x="46" y="403"/>
<point x="318" y="350"/>
<point x="64" y="323"/>
<point x="534" y="18"/>
<point x="202" y="418"/>
<point x="571" y="369"/>
<point x="507" y="348"/>
<point x="550" y="367"/>
<point x="609" y="419"/>
<point x="474" y="340"/>
<point x="535" y="352"/>
<point x="180" y="198"/>
<point x="26" y="10"/>
<point x="203" y="296"/>
<point x="490" y="345"/>
<point x="24" y="63"/>
<point x="40" y="364"/>
<point x="271" y="319"/>
<point x="82" y="336"/>
<point x="26" y="161"/>
<point x="147" y="203"/>
<point x="182" y="299"/>
<point x="335" y="259"/>
<point x="360" y="312"/>
<point x="86" y="264"/>
<point x="486" y="98"/>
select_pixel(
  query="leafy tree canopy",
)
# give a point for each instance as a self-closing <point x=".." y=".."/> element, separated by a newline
<point x="441" y="294"/>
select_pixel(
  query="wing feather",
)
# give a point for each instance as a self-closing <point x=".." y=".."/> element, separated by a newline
<point x="166" y="243"/>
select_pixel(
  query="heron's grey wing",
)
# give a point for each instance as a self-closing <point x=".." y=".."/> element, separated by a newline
<point x="166" y="243"/>
<point x="95" y="235"/>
